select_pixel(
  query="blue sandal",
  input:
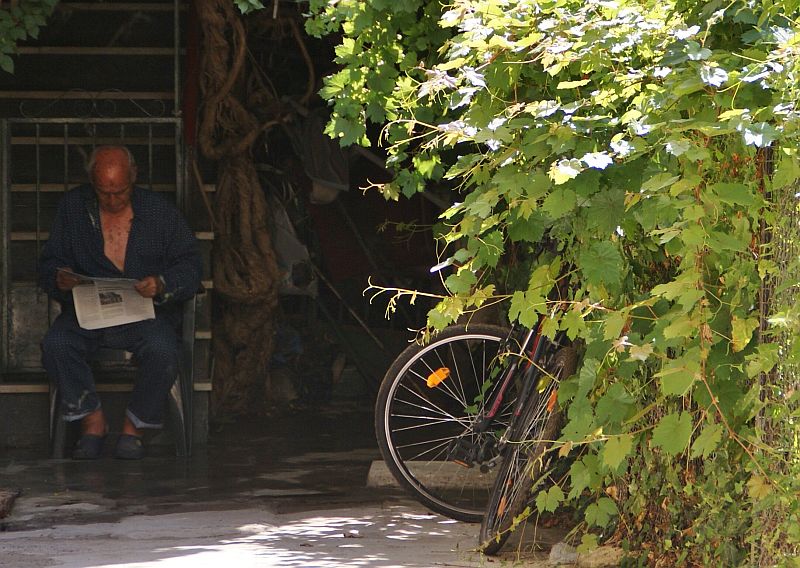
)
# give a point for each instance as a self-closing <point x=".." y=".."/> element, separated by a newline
<point x="129" y="447"/>
<point x="89" y="447"/>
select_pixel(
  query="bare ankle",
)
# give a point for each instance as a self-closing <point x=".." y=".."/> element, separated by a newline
<point x="130" y="429"/>
<point x="94" y="423"/>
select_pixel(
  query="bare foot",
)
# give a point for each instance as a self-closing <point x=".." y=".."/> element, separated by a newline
<point x="94" y="423"/>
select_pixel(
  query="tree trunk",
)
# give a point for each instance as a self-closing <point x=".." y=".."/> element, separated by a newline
<point x="245" y="271"/>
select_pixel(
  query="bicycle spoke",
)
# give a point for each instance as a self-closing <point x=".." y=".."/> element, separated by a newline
<point x="431" y="422"/>
<point x="458" y="371"/>
<point x="441" y="448"/>
<point x="434" y="407"/>
<point x="447" y="383"/>
<point x="442" y="389"/>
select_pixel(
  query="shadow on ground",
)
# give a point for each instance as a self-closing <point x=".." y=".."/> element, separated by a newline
<point x="281" y="491"/>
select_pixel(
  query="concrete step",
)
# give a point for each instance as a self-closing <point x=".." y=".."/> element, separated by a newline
<point x="441" y="475"/>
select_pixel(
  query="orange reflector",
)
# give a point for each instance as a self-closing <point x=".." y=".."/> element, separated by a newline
<point x="551" y="404"/>
<point x="437" y="377"/>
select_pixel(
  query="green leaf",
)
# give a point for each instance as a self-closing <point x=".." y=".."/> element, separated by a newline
<point x="481" y="203"/>
<point x="720" y="241"/>
<point x="688" y="86"/>
<point x="678" y="375"/>
<point x="728" y="114"/>
<point x="758" y="487"/>
<point x="680" y="326"/>
<point x="616" y="450"/>
<point x="601" y="264"/>
<point x="586" y="473"/>
<point x="429" y="166"/>
<point x="687" y="183"/>
<point x="6" y="63"/>
<point x="734" y="193"/>
<point x="613" y="324"/>
<point x="601" y="512"/>
<point x="461" y="282"/>
<point x="572" y="84"/>
<point x="559" y="203"/>
<point x="684" y="283"/>
<point x="526" y="307"/>
<point x="615" y="406"/>
<point x="587" y="376"/>
<point x="550" y="327"/>
<point x="763" y="360"/>
<point x="581" y="421"/>
<point x="589" y="542"/>
<point x="673" y="432"/>
<point x="530" y="229"/>
<point x="573" y="324"/>
<point x="488" y="249"/>
<point x="580" y="478"/>
<point x="547" y="501"/>
<point x="707" y="441"/>
<point x="606" y="209"/>
<point x="446" y="312"/>
<point x="742" y="332"/>
<point x="640" y="352"/>
<point x="659" y="181"/>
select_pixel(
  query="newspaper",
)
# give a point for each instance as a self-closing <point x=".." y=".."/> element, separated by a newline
<point x="106" y="302"/>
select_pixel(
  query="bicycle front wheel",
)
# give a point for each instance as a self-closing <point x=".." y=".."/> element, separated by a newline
<point x="428" y="405"/>
<point x="525" y="454"/>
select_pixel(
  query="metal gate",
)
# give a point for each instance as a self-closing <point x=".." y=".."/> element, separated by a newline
<point x="42" y="158"/>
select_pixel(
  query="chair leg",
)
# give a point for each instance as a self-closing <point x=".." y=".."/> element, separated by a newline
<point x="178" y="419"/>
<point x="58" y="427"/>
<point x="187" y="394"/>
<point x="186" y="369"/>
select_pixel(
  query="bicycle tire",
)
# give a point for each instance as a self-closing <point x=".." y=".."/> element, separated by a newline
<point x="416" y="424"/>
<point x="524" y="457"/>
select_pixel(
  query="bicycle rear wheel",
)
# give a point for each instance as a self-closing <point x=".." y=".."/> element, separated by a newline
<point x="427" y="407"/>
<point x="524" y="456"/>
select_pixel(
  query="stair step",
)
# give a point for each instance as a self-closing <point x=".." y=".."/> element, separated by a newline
<point x="44" y="235"/>
<point x="93" y="50"/>
<point x="35" y="388"/>
<point x="118" y="6"/>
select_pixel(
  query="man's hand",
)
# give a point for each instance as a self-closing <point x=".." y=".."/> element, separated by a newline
<point x="65" y="279"/>
<point x="149" y="286"/>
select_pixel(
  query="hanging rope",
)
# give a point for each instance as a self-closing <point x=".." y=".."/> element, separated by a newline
<point x="246" y="270"/>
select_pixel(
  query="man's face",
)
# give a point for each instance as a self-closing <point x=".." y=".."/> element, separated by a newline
<point x="113" y="179"/>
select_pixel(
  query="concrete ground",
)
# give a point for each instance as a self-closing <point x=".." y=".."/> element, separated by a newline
<point x="287" y="491"/>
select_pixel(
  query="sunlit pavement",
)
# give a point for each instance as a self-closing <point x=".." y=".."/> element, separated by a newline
<point x="288" y="491"/>
<point x="397" y="535"/>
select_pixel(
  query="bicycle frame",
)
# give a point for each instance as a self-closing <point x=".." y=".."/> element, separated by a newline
<point x="531" y="349"/>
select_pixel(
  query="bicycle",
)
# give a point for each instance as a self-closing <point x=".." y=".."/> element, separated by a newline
<point x="450" y="412"/>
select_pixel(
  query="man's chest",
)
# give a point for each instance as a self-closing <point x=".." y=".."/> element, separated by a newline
<point x="116" y="232"/>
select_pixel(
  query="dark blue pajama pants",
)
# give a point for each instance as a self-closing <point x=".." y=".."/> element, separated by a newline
<point x="67" y="349"/>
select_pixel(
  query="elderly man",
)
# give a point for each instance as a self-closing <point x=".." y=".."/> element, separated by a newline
<point x="113" y="228"/>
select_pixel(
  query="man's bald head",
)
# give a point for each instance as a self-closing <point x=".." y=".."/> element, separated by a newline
<point x="112" y="171"/>
<point x="104" y="157"/>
